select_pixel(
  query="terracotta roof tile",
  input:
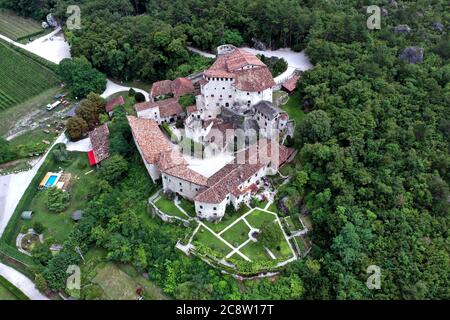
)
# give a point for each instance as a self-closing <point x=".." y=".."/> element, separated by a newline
<point x="167" y="107"/>
<point x="157" y="150"/>
<point x="118" y="101"/>
<point x="100" y="142"/>
<point x="182" y="86"/>
<point x="161" y="88"/>
<point x="256" y="78"/>
<point x="291" y="84"/>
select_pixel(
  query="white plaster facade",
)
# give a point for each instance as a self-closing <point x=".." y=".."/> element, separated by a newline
<point x="184" y="188"/>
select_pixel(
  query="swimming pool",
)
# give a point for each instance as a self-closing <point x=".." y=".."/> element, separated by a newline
<point x="51" y="181"/>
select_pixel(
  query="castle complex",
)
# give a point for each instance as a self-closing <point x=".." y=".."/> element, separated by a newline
<point x="234" y="93"/>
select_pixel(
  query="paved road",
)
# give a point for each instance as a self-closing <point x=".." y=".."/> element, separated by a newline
<point x="20" y="281"/>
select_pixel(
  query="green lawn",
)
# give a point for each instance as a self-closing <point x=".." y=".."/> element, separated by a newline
<point x="293" y="108"/>
<point x="5" y="294"/>
<point x="31" y="142"/>
<point x="188" y="206"/>
<point x="168" y="207"/>
<point x="258" y="218"/>
<point x="237" y="234"/>
<point x="58" y="226"/>
<point x="205" y="237"/>
<point x="255" y="251"/>
<point x="9" y="292"/>
<point x="22" y="77"/>
<point x="15" y="27"/>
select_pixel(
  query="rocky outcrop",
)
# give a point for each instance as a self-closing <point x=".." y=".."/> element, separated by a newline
<point x="402" y="28"/>
<point x="258" y="45"/>
<point x="412" y="55"/>
<point x="438" y="26"/>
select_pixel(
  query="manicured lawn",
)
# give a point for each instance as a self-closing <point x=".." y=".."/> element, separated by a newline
<point x="226" y="221"/>
<point x="273" y="208"/>
<point x="293" y="108"/>
<point x="258" y="218"/>
<point x="168" y="207"/>
<point x="188" y="206"/>
<point x="237" y="234"/>
<point x="58" y="226"/>
<point x="205" y="237"/>
<point x="255" y="251"/>
<point x="14" y="27"/>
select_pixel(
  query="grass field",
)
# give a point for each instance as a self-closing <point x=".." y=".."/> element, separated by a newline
<point x="21" y="78"/>
<point x="188" y="206"/>
<point x="113" y="281"/>
<point x="293" y="108"/>
<point x="5" y="294"/>
<point x="168" y="207"/>
<point x="15" y="27"/>
<point x="9" y="292"/>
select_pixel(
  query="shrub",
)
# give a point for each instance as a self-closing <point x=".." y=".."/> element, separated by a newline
<point x="57" y="200"/>
<point x="113" y="169"/>
<point x="38" y="227"/>
<point x="139" y="97"/>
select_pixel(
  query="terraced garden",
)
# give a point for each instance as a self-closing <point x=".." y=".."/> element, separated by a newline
<point x="21" y="77"/>
<point x="17" y="28"/>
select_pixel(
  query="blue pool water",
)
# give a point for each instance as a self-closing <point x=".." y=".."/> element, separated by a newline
<point x="51" y="181"/>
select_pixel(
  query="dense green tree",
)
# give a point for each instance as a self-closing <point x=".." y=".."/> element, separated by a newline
<point x="81" y="77"/>
<point x="76" y="128"/>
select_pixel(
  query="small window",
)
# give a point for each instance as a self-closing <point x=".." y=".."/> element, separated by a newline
<point x="248" y="93"/>
<point x="181" y="190"/>
<point x="215" y="208"/>
<point x="201" y="207"/>
<point x="229" y="96"/>
<point x="180" y="184"/>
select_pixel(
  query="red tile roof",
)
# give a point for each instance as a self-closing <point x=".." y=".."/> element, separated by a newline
<point x="191" y="109"/>
<point x="253" y="80"/>
<point x="167" y="108"/>
<point x="157" y="150"/>
<point x="291" y="84"/>
<point x="256" y="78"/>
<point x="178" y="87"/>
<point x="182" y="86"/>
<point x="150" y="139"/>
<point x="118" y="101"/>
<point x="161" y="88"/>
<point x="100" y="143"/>
<point x="230" y="177"/>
